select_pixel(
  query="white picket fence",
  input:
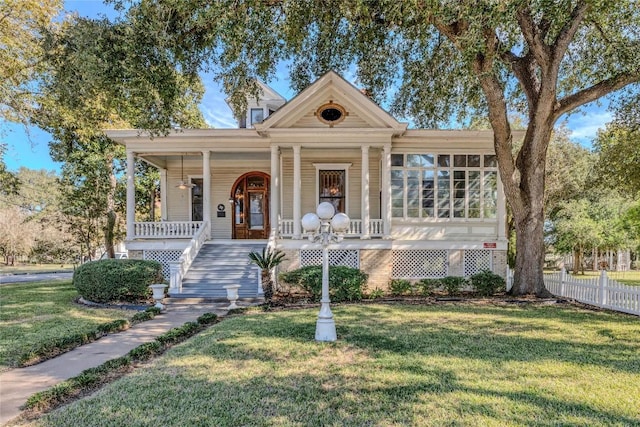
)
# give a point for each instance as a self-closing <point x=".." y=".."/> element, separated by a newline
<point x="599" y="291"/>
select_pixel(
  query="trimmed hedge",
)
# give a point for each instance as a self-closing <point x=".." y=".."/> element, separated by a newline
<point x="115" y="280"/>
<point x="345" y="283"/>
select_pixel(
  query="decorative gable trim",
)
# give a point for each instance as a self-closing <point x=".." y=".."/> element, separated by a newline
<point x="331" y="86"/>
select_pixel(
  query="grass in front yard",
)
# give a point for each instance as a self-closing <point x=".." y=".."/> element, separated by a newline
<point x="35" y="268"/>
<point x="35" y="313"/>
<point x="394" y="365"/>
<point x="626" y="277"/>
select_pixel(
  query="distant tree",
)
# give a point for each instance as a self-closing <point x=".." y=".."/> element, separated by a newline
<point x="568" y="173"/>
<point x="618" y="146"/>
<point x="22" y="27"/>
<point x="17" y="234"/>
<point x="576" y="231"/>
<point x="9" y="182"/>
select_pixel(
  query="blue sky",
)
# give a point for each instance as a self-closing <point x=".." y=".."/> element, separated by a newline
<point x="29" y="147"/>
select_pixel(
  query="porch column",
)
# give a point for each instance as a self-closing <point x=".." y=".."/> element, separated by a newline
<point x="365" y="193"/>
<point x="386" y="191"/>
<point x="163" y="194"/>
<point x="206" y="189"/>
<point x="131" y="195"/>
<point x="297" y="184"/>
<point x="274" y="207"/>
<point x="501" y="211"/>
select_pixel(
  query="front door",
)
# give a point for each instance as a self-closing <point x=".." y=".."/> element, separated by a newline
<point x="250" y="194"/>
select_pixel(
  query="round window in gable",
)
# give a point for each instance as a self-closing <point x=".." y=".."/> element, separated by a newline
<point x="331" y="114"/>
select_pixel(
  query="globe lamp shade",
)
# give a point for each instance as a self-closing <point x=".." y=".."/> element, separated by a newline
<point x="310" y="222"/>
<point x="340" y="223"/>
<point x="325" y="210"/>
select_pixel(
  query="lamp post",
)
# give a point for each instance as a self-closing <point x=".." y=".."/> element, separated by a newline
<point x="326" y="227"/>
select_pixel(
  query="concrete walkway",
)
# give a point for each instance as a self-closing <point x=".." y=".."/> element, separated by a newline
<point x="19" y="384"/>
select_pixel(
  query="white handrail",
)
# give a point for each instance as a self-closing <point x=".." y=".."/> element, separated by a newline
<point x="166" y="229"/>
<point x="179" y="268"/>
<point x="376" y="227"/>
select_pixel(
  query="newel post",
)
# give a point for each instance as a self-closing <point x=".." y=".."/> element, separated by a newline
<point x="602" y="284"/>
<point x="175" y="269"/>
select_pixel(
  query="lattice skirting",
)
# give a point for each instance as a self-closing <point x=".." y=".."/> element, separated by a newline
<point x="345" y="257"/>
<point x="477" y="260"/>
<point x="163" y="257"/>
<point x="419" y="263"/>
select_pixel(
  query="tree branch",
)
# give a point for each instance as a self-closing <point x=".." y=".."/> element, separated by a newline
<point x="594" y="92"/>
<point x="524" y="69"/>
<point x="534" y="39"/>
<point x="569" y="31"/>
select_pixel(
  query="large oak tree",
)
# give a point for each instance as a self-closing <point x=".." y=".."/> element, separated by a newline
<point x="430" y="60"/>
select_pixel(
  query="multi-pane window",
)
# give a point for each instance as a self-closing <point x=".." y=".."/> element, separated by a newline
<point x="332" y="188"/>
<point x="444" y="186"/>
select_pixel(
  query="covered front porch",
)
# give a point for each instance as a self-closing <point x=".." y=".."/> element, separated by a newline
<point x="261" y="193"/>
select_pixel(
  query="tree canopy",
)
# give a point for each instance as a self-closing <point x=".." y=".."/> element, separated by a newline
<point x="22" y="24"/>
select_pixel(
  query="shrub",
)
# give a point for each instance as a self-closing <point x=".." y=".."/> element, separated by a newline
<point x="453" y="284"/>
<point x="427" y="286"/>
<point x="487" y="283"/>
<point x="375" y="294"/>
<point x="400" y="287"/>
<point x="345" y="283"/>
<point x="112" y="280"/>
<point x="208" y="319"/>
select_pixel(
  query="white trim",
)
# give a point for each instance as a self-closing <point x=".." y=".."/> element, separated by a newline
<point x="164" y="196"/>
<point x="334" y="166"/>
<point x="382" y="244"/>
<point x="206" y="191"/>
<point x="297" y="192"/>
<point x="131" y="195"/>
<point x="365" y="202"/>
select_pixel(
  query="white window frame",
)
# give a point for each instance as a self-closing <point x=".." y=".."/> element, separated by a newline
<point x="482" y="169"/>
<point x="251" y="122"/>
<point x="336" y="167"/>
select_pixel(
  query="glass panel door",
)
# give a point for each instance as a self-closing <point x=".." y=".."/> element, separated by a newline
<point x="256" y="212"/>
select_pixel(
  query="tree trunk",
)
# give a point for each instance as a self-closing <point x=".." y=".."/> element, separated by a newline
<point x="267" y="285"/>
<point x="528" y="278"/>
<point x="576" y="261"/>
<point x="110" y="225"/>
<point x="525" y="193"/>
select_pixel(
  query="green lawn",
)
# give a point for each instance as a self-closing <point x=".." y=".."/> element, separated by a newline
<point x="35" y="268"/>
<point x="627" y="277"/>
<point x="393" y="365"/>
<point x="33" y="313"/>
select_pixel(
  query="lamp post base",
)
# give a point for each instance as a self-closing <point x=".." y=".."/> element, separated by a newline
<point x="326" y="330"/>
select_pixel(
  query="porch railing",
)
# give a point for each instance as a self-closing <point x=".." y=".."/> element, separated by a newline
<point x="355" y="228"/>
<point x="166" y="229"/>
<point x="179" y="268"/>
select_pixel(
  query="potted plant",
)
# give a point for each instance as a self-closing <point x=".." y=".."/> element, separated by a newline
<point x="267" y="261"/>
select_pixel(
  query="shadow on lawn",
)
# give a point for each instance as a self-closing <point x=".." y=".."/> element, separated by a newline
<point x="266" y="370"/>
<point x="323" y="397"/>
<point x="503" y="337"/>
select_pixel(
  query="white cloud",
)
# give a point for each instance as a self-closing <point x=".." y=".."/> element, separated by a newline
<point x="584" y="127"/>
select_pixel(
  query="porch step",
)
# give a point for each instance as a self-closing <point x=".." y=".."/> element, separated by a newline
<point x="221" y="264"/>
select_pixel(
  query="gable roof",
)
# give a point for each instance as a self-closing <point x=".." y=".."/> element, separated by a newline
<point x="331" y="87"/>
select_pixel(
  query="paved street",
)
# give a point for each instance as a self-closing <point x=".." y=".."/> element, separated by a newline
<point x="25" y="278"/>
